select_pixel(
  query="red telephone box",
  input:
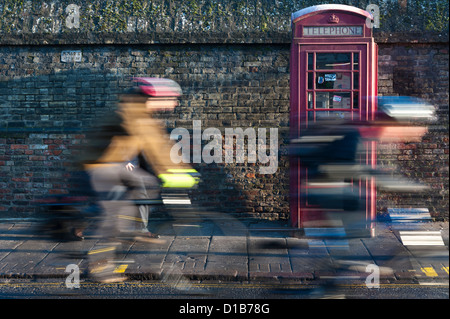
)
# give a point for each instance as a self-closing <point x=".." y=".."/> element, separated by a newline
<point x="333" y="73"/>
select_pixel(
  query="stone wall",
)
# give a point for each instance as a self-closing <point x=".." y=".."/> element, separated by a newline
<point x="232" y="61"/>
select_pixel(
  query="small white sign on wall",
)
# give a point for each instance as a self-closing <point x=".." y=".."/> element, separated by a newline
<point x="71" y="56"/>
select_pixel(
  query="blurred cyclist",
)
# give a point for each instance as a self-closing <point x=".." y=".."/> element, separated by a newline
<point x="330" y="151"/>
<point x="127" y="134"/>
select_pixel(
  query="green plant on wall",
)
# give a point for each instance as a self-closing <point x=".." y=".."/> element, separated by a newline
<point x="438" y="19"/>
<point x="205" y="15"/>
<point x="9" y="15"/>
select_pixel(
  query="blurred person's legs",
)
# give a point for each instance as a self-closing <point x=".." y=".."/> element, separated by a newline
<point x="118" y="218"/>
<point x="144" y="211"/>
<point x="343" y="218"/>
<point x="142" y="185"/>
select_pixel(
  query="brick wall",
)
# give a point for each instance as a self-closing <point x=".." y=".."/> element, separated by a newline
<point x="46" y="105"/>
<point x="419" y="70"/>
<point x="232" y="61"/>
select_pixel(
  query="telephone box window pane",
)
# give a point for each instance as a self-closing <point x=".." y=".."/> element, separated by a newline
<point x="340" y="100"/>
<point x="333" y="100"/>
<point x="355" y="100"/>
<point x="310" y="100"/>
<point x="310" y="61"/>
<point x="334" y="61"/>
<point x="356" y="61"/>
<point x="356" y="81"/>
<point x="310" y="81"/>
<point x="322" y="100"/>
<point x="332" y="115"/>
<point x="333" y="81"/>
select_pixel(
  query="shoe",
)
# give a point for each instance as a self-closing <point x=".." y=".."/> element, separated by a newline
<point x="77" y="234"/>
<point x="149" y="238"/>
<point x="152" y="235"/>
<point x="147" y="233"/>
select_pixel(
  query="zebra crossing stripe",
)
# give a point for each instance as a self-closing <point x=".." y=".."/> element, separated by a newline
<point x="421" y="238"/>
<point x="445" y="269"/>
<point x="102" y="250"/>
<point x="407" y="215"/>
<point x="429" y="271"/>
<point x="120" y="269"/>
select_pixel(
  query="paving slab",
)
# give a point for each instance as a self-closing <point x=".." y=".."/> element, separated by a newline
<point x="268" y="255"/>
<point x="227" y="249"/>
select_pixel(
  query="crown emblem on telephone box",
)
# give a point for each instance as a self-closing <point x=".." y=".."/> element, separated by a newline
<point x="333" y="19"/>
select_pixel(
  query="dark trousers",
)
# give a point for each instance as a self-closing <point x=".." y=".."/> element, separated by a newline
<point x="114" y="187"/>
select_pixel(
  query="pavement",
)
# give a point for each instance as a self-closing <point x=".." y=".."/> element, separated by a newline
<point x="229" y="249"/>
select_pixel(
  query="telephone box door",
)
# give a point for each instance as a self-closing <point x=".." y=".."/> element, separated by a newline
<point x="332" y="76"/>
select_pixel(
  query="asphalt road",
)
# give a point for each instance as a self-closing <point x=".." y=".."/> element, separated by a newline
<point x="184" y="289"/>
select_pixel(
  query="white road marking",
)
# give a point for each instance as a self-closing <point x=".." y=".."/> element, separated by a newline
<point x="421" y="238"/>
